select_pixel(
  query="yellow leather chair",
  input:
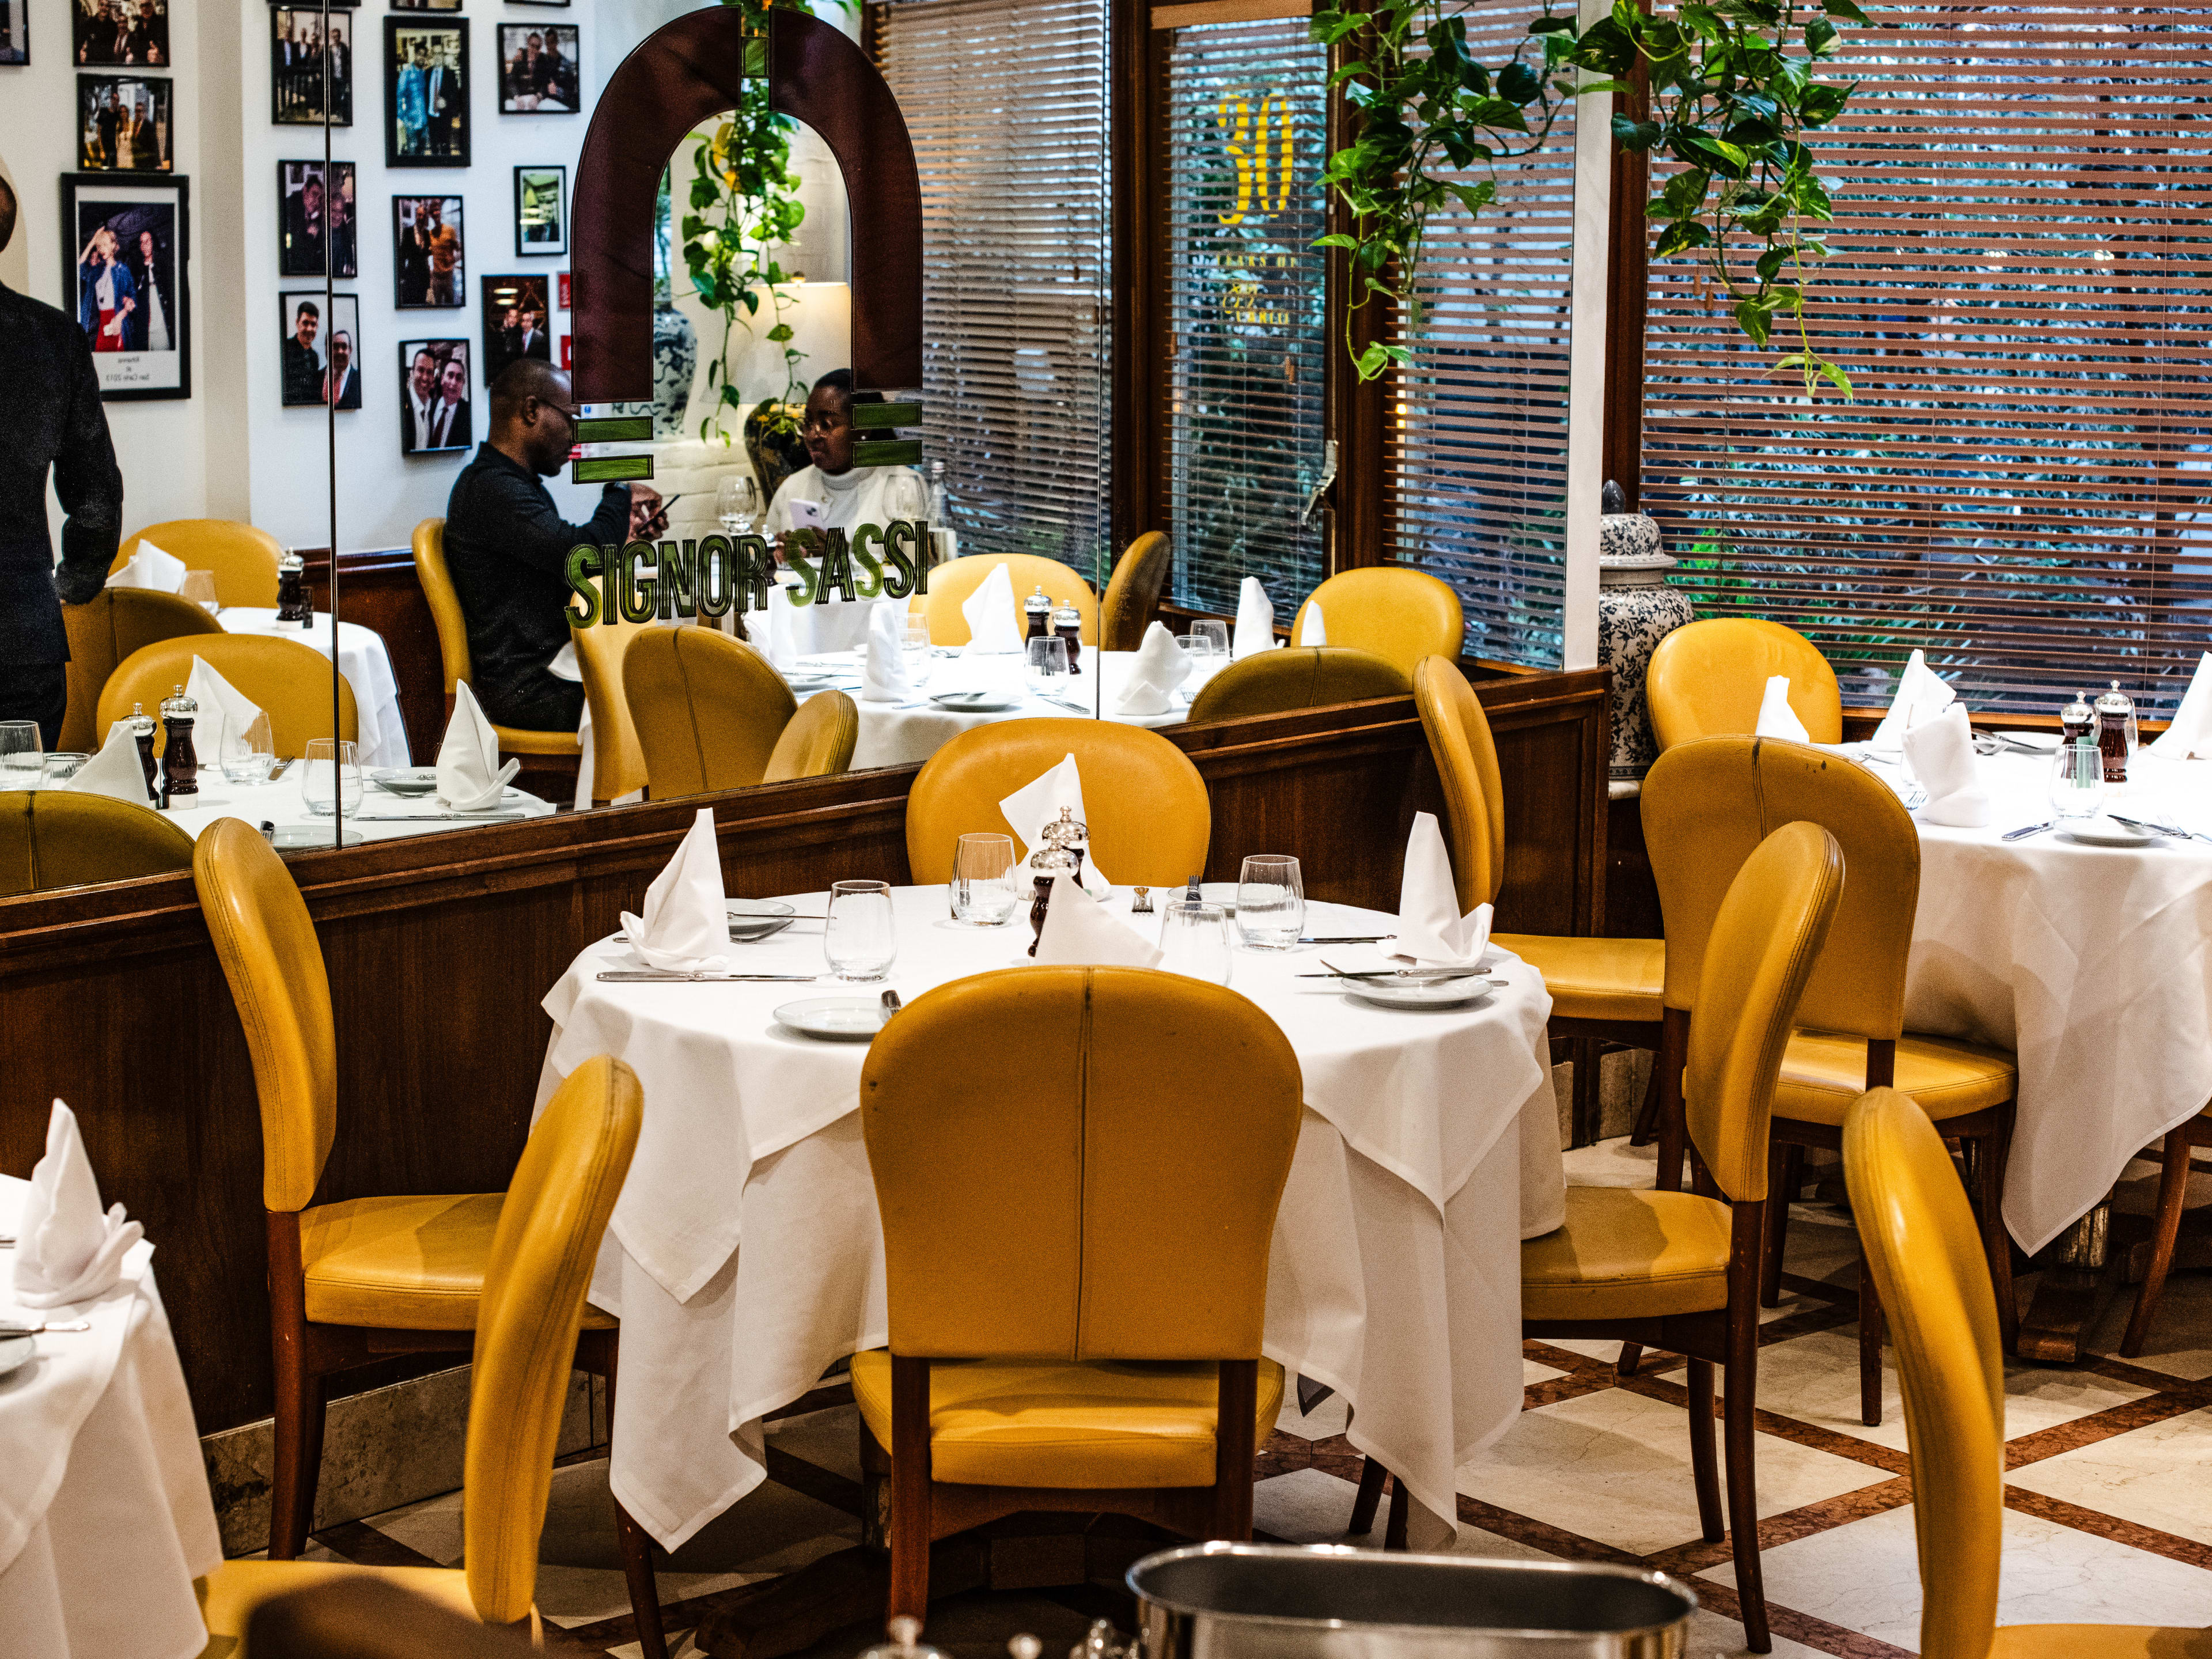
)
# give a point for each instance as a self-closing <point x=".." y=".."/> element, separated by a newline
<point x="1707" y="680"/>
<point x="2165" y="1224"/>
<point x="1299" y="677"/>
<point x="535" y="1269"/>
<point x="1134" y="591"/>
<point x="1920" y="1240"/>
<point x="617" y="762"/>
<point x="290" y="681"/>
<point x="363" y="1279"/>
<point x="952" y="584"/>
<point x="1149" y="819"/>
<point x="59" y="838"/>
<point x="445" y="602"/>
<point x="1602" y="989"/>
<point x="104" y="630"/>
<point x="1401" y="614"/>
<point x="1075" y="1246"/>
<point x="708" y="710"/>
<point x="242" y="559"/>
<point x="818" y="741"/>
<point x="1706" y="805"/>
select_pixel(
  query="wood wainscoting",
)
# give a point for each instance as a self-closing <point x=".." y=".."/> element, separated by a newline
<point x="438" y="948"/>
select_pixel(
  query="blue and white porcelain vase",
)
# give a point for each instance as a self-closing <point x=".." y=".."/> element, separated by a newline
<point x="1636" y="610"/>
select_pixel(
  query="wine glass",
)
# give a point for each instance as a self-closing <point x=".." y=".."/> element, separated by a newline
<point x="737" y="502"/>
<point x="199" y="588"/>
<point x="905" y="495"/>
<point x="1271" y="903"/>
<point x="22" y="756"/>
<point x="254" y="757"/>
<point x="1194" y="941"/>
<point x="329" y="776"/>
<point x="986" y="882"/>
<point x="2077" y="781"/>
<point x="859" y="939"/>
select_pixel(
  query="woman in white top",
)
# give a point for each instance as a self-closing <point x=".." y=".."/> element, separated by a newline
<point x="844" y="496"/>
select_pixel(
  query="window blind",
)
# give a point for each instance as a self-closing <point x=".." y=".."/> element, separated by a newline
<point x="1475" y="447"/>
<point x="2020" y="283"/>
<point x="1244" y="142"/>
<point x="1005" y="101"/>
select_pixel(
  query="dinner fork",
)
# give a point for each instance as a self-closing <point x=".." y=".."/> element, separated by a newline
<point x="56" y="1326"/>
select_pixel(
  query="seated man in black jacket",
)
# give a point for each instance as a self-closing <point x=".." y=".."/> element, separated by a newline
<point x="507" y="549"/>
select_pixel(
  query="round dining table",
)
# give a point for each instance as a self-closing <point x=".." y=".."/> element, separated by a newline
<point x="105" y="1514"/>
<point x="745" y="1256"/>
<point x="381" y="733"/>
<point x="381" y="816"/>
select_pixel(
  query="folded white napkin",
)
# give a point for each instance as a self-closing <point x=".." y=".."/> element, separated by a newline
<point x="2189" y="736"/>
<point x="1940" y="750"/>
<point x="1255" y="621"/>
<point x="686" y="924"/>
<point x="1161" y="665"/>
<point x="1312" y="630"/>
<point x="219" y="729"/>
<point x="1036" y="804"/>
<point x="1776" y="719"/>
<point x="1921" y="695"/>
<point x="993" y="625"/>
<point x="116" y="771"/>
<point x="1431" y="933"/>
<point x="66" y="1249"/>
<point x="470" y="777"/>
<point x="1081" y="930"/>
<point x="150" y="566"/>
<point x="887" y="677"/>
<point x="783" y="630"/>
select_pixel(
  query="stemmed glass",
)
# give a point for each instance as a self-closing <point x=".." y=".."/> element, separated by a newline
<point x="199" y="588"/>
<point x="859" y="939"/>
<point x="22" y="756"/>
<point x="986" y="882"/>
<point x="737" y="503"/>
<point x="905" y="495"/>
<point x="1194" y="941"/>
<point x="330" y="774"/>
<point x="1271" y="903"/>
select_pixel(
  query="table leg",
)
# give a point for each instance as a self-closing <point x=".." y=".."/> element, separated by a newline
<point x="2077" y="1279"/>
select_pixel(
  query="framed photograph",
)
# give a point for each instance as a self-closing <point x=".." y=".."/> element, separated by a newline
<point x="130" y="33"/>
<point x="515" y="315"/>
<point x="15" y="31"/>
<point x="564" y="338"/>
<point x="313" y="213"/>
<point x="124" y="252"/>
<point x="433" y="396"/>
<point x="564" y="304"/>
<point x="426" y="93"/>
<point x="540" y="69"/>
<point x="322" y="349"/>
<point x="541" y="210"/>
<point x="296" y="52"/>
<point x="426" y="5"/>
<point x="124" y="123"/>
<point x="430" y="269"/>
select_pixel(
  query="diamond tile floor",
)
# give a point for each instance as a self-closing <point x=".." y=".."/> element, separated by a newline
<point x="2109" y="1513"/>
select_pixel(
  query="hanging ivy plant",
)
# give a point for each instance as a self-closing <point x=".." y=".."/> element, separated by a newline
<point x="744" y="202"/>
<point x="1734" y="88"/>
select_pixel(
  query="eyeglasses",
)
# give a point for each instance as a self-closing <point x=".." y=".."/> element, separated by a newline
<point x="824" y="423"/>
<point x="571" y="416"/>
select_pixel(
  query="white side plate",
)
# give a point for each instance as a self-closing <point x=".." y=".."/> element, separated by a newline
<point x="834" y="1020"/>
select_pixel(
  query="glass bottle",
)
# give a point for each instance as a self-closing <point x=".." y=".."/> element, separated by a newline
<point x="943" y="543"/>
<point x="142" y="732"/>
<point x="180" y="763"/>
<point x="2077" y="721"/>
<point x="1039" y="610"/>
<point x="1067" y="624"/>
<point x="2116" y="733"/>
<point x="291" y="587"/>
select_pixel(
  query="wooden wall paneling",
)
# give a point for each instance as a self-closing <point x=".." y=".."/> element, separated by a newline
<point x="1139" y="57"/>
<point x="440" y="948"/>
<point x="1361" y="502"/>
<point x="1628" y="264"/>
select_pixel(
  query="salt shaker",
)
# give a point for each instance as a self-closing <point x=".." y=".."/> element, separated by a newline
<point x="1039" y="610"/>
<point x="180" y="763"/>
<point x="1065" y="842"/>
<point x="2116" y="733"/>
<point x="292" y="588"/>
<point x="141" y="730"/>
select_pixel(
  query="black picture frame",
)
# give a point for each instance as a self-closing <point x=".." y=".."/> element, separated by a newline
<point x="532" y="188"/>
<point x="442" y="137"/>
<point x="302" y="369"/>
<point x="417" y="283"/>
<point x="127" y="206"/>
<point x="299" y="236"/>
<point x="15" y="32"/>
<point x="112" y="137"/>
<point x="426" y="5"/>
<point x="295" y="67"/>
<point x="551" y="83"/>
<point x="458" y="435"/>
<point x="529" y="295"/>
<point x="121" y="35"/>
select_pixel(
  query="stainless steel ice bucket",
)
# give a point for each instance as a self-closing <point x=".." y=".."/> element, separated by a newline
<point x="1274" y="1601"/>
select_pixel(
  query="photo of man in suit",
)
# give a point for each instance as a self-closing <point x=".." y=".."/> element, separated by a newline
<point x="426" y="77"/>
<point x="299" y="250"/>
<point x="433" y="412"/>
<point x="303" y="364"/>
<point x="341" y="380"/>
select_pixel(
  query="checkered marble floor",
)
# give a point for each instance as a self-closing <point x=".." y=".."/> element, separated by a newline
<point x="2108" y="1519"/>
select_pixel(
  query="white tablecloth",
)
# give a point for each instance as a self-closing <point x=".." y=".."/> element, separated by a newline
<point x="1430" y="1148"/>
<point x="362" y="660"/>
<point x="2089" y="962"/>
<point x="281" y="803"/>
<point x="105" y="1516"/>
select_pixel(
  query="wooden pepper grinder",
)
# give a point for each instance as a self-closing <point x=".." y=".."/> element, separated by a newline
<point x="142" y="732"/>
<point x="1065" y="840"/>
<point x="292" y="605"/>
<point x="180" y="761"/>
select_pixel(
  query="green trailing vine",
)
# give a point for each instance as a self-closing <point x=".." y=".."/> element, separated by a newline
<point x="743" y="204"/>
<point x="1734" y="87"/>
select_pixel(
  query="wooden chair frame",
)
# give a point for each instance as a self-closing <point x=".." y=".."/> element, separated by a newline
<point x="2165" y="1226"/>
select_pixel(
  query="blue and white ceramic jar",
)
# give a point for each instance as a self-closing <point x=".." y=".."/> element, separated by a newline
<point x="1636" y="610"/>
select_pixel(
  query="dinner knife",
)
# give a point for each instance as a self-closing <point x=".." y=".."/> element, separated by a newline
<point x="1347" y="938"/>
<point x="657" y="976"/>
<point x="437" y="818"/>
<point x="2026" y="830"/>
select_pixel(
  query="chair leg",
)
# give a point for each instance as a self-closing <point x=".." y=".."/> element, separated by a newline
<point x="1869" y="1345"/>
<point x="910" y="1519"/>
<point x="1737" y="1408"/>
<point x="1401" y="1503"/>
<point x="1647" y="1117"/>
<point x="1705" y="1464"/>
<point x="1786" y="1167"/>
<point x="1372" y="1474"/>
<point x="1989" y="1154"/>
<point x="1673" y="1135"/>
<point x="1235" y="1445"/>
<point x="298" y="1455"/>
<point x="2165" y="1226"/>
<point x="637" y="1550"/>
<point x="1632" y="1356"/>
